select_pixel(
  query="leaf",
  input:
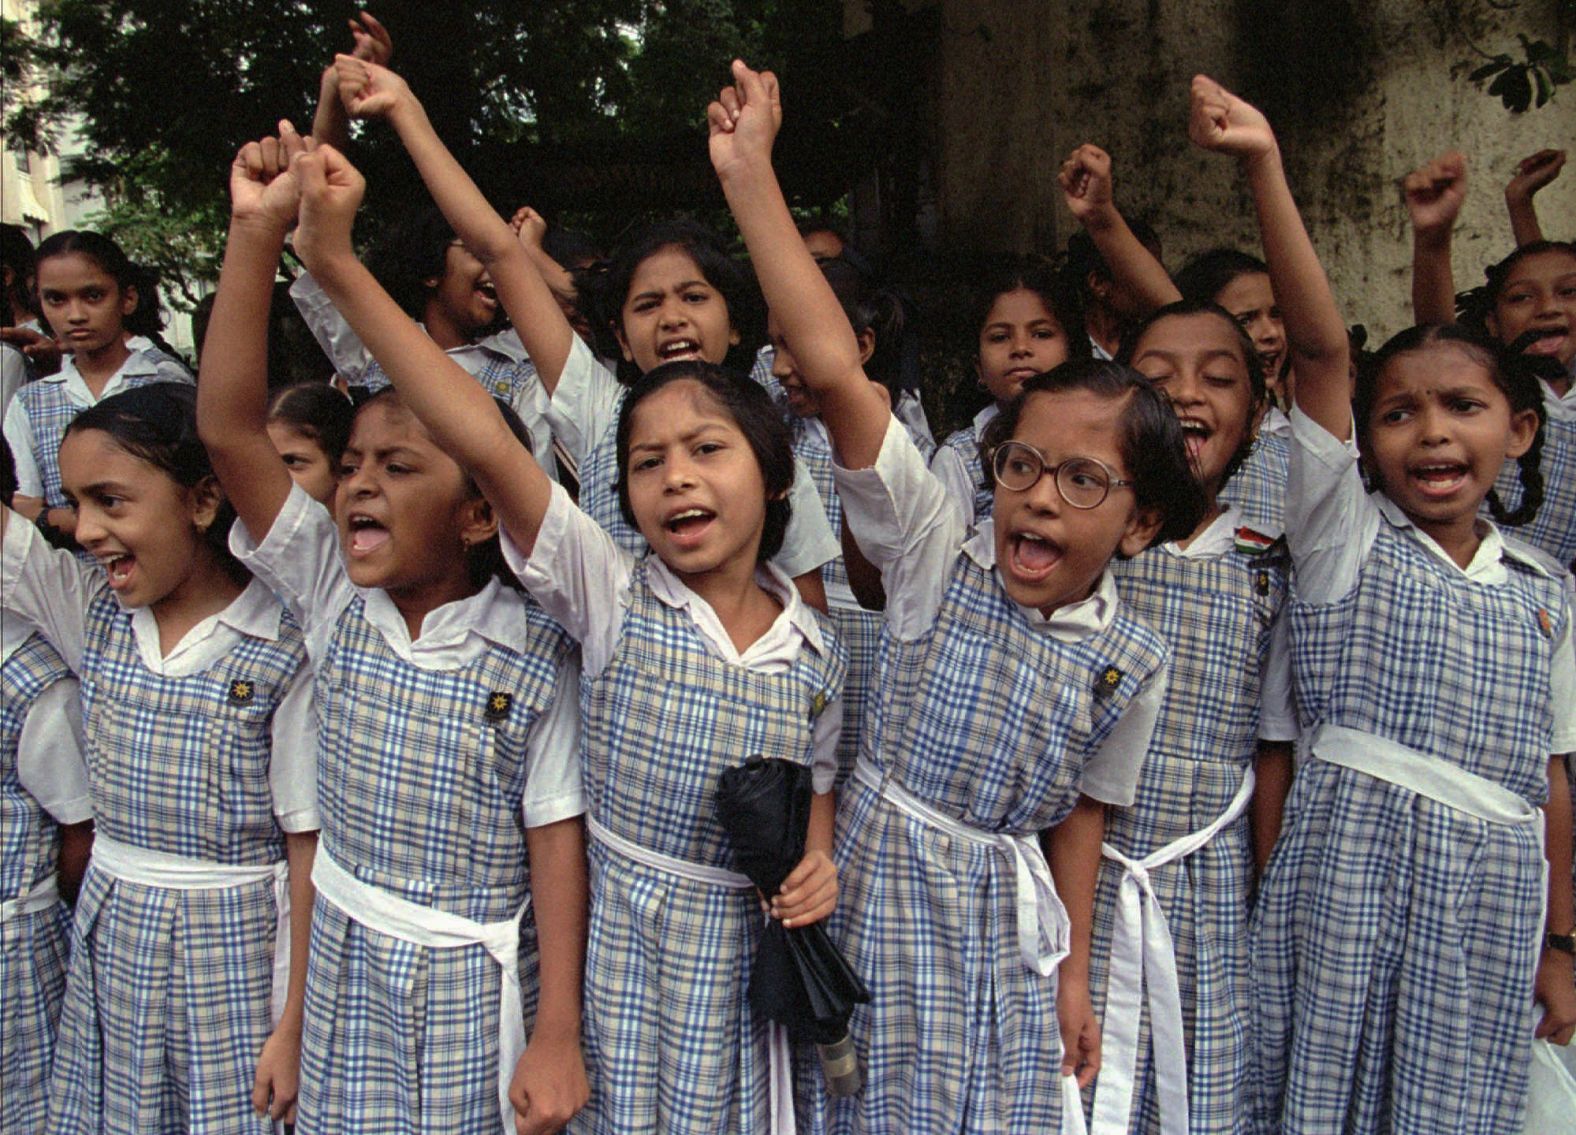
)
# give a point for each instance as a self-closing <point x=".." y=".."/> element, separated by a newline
<point x="1498" y="64"/>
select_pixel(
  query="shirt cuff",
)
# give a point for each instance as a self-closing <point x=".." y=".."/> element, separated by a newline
<point x="302" y="820"/>
<point x="552" y="809"/>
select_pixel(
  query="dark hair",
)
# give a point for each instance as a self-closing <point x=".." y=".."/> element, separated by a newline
<point x="318" y="411"/>
<point x="1473" y="307"/>
<point x="146" y="318"/>
<point x="1516" y="377"/>
<point x="1013" y="273"/>
<point x="878" y="310"/>
<point x="758" y="419"/>
<point x="16" y="253"/>
<point x="569" y="247"/>
<point x="484" y="561"/>
<point x="1181" y="309"/>
<point x="157" y="423"/>
<point x="1206" y="275"/>
<point x="1084" y="257"/>
<point x="414" y="250"/>
<point x="8" y="481"/>
<point x="1151" y="440"/>
<point x="603" y="293"/>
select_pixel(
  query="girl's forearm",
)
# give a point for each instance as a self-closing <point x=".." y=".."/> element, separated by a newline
<point x="1072" y="848"/>
<point x="300" y="853"/>
<point x="1433" y="284"/>
<point x="559" y="898"/>
<point x="1557" y="847"/>
<point x="823" y="822"/>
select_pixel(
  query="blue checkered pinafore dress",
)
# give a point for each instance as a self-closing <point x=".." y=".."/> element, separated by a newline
<point x="1258" y="488"/>
<point x="50" y="408"/>
<point x="599" y="486"/>
<point x="33" y="947"/>
<point x="1395" y="938"/>
<point x="420" y="778"/>
<point x="858" y="630"/>
<point x="168" y="1001"/>
<point x="989" y="722"/>
<point x="671" y="1043"/>
<point x="1216" y="614"/>
<point x="1553" y="528"/>
<point x="501" y="376"/>
<point x="967" y="447"/>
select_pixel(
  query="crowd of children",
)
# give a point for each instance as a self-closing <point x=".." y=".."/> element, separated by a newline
<point x="1188" y="734"/>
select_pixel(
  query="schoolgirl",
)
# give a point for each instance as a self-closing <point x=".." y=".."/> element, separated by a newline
<point x="106" y="314"/>
<point x="46" y="831"/>
<point x="309" y="424"/>
<point x="183" y="1005"/>
<point x="450" y="780"/>
<point x="1014" y="699"/>
<point x="1169" y="969"/>
<point x="1396" y="935"/>
<point x="1027" y="326"/>
<point x="696" y="657"/>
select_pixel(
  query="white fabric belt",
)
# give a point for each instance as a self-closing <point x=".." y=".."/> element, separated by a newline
<point x="779" y="1054"/>
<point x="144" y="867"/>
<point x="1142" y="954"/>
<point x="1043" y="928"/>
<point x="1428" y="776"/>
<point x="43" y="896"/>
<point x="387" y="913"/>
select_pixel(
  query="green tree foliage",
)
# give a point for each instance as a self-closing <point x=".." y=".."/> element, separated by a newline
<point x="167" y="90"/>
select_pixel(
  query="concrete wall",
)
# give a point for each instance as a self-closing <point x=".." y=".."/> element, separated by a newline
<point x="1359" y="93"/>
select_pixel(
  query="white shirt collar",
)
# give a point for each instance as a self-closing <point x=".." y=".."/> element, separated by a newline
<point x="984" y="418"/>
<point x="1212" y="543"/>
<point x="254" y="613"/>
<point x="1560" y="406"/>
<point x="14" y="631"/>
<point x="1069" y="623"/>
<point x="493" y="613"/>
<point x="1275" y="423"/>
<point x="795" y="618"/>
<point x="140" y="362"/>
<point x="1487" y="564"/>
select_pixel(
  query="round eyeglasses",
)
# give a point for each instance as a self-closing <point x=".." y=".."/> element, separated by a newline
<point x="1083" y="482"/>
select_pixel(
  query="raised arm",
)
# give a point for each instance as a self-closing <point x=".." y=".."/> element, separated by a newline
<point x="232" y="389"/>
<point x="454" y="407"/>
<point x="744" y="122"/>
<point x="1434" y="193"/>
<point x="371" y="91"/>
<point x="1315" y="335"/>
<point x="372" y="43"/>
<point x="1085" y="179"/>
<point x="1532" y="174"/>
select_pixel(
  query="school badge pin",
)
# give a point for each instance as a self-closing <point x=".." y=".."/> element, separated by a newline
<point x="498" y="705"/>
<point x="1545" y="623"/>
<point x="1110" y="679"/>
<point x="241" y="691"/>
<point x="500" y="388"/>
<point x="817" y="704"/>
<point x="1261" y="583"/>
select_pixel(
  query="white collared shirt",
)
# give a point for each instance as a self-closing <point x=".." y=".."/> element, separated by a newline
<point x="52" y="590"/>
<point x="581" y="577"/>
<point x="300" y="559"/>
<point x="145" y="359"/>
<point x="49" y="761"/>
<point x="908" y="527"/>
<point x="1332" y="521"/>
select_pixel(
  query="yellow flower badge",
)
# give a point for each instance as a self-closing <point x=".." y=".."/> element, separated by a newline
<point x="241" y="692"/>
<point x="498" y="705"/>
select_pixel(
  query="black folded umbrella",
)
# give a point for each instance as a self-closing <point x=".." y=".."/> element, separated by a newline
<point x="799" y="979"/>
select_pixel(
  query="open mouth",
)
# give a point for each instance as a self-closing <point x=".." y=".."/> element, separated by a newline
<point x="1033" y="556"/>
<point x="1551" y="342"/>
<point x="678" y="349"/>
<point x="1440" y="479"/>
<point x="366" y="534"/>
<point x="485" y="289"/>
<point x="688" y="526"/>
<point x="118" y="569"/>
<point x="1195" y="435"/>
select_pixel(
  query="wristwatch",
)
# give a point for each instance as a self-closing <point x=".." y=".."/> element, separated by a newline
<point x="1564" y="943"/>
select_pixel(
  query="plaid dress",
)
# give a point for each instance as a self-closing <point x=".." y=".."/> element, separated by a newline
<point x="966" y="445"/>
<point x="500" y="375"/>
<point x="420" y="777"/>
<point x="1554" y="527"/>
<point x="858" y="630"/>
<point x="168" y="1001"/>
<point x="50" y="408"/>
<point x="1216" y="614"/>
<point x="33" y="947"/>
<point x="1395" y="938"/>
<point x="1258" y="488"/>
<point x="989" y="722"/>
<point x="671" y="1043"/>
